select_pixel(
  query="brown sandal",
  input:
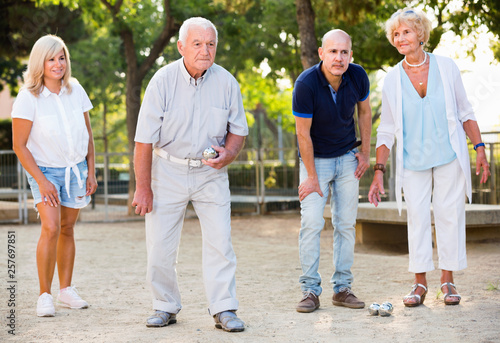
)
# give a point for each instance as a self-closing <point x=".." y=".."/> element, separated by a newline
<point x="412" y="295"/>
<point x="450" y="298"/>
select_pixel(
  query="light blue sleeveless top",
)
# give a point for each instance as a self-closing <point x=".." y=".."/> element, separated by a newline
<point x="425" y="128"/>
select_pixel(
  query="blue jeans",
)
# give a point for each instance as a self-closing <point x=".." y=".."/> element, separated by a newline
<point x="335" y="175"/>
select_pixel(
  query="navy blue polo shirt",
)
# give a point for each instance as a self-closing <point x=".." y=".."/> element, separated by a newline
<point x="332" y="130"/>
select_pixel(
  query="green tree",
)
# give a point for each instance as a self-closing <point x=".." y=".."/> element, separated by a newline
<point x="104" y="79"/>
<point x="465" y="19"/>
<point x="22" y="22"/>
<point x="117" y="45"/>
<point x="144" y="31"/>
<point x="364" y="21"/>
<point x="269" y="109"/>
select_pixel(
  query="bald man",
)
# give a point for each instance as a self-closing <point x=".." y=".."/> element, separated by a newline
<point x="324" y="101"/>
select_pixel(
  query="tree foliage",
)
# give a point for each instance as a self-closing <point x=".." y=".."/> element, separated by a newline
<point x="117" y="45"/>
<point x="104" y="80"/>
<point x="22" y="22"/>
<point x="265" y="105"/>
<point x="466" y="18"/>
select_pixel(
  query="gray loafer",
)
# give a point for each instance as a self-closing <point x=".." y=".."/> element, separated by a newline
<point x="161" y="318"/>
<point x="228" y="321"/>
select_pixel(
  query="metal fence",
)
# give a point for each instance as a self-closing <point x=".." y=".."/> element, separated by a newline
<point x="261" y="181"/>
<point x="13" y="194"/>
<point x="488" y="193"/>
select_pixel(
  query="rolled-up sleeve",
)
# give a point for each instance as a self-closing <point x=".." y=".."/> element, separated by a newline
<point x="387" y="125"/>
<point x="151" y="112"/>
<point x="464" y="107"/>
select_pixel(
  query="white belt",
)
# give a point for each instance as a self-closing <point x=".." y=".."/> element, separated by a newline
<point x="185" y="161"/>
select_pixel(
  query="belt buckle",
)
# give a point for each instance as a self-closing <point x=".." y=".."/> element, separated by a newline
<point x="194" y="163"/>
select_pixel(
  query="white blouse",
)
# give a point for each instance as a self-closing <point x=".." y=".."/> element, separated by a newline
<point x="59" y="137"/>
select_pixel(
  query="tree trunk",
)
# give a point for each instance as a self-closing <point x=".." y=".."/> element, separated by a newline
<point x="308" y="51"/>
<point x="133" y="104"/>
<point x="308" y="43"/>
<point x="136" y="72"/>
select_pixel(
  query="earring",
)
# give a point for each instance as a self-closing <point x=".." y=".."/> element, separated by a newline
<point x="421" y="43"/>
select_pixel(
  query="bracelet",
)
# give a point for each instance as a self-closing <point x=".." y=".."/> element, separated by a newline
<point x="379" y="166"/>
<point x="478" y="145"/>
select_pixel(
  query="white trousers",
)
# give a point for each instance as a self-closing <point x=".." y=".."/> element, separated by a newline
<point x="448" y="201"/>
<point x="174" y="185"/>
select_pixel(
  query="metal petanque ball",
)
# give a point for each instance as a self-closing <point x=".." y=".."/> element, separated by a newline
<point x="373" y="309"/>
<point x="210" y="153"/>
<point x="385" y="309"/>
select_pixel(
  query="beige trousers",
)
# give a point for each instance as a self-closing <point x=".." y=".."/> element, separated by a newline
<point x="174" y="185"/>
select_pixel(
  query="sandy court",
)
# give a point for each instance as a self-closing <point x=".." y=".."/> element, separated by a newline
<point x="110" y="275"/>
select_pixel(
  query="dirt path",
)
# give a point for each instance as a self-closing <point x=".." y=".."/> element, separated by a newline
<point x="110" y="274"/>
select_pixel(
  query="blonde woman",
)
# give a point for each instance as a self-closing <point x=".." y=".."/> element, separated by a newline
<point x="424" y="105"/>
<point x="53" y="140"/>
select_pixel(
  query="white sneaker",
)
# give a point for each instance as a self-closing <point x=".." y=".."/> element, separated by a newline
<point x="45" y="306"/>
<point x="69" y="298"/>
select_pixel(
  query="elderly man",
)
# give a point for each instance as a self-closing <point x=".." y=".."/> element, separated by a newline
<point x="324" y="100"/>
<point x="189" y="105"/>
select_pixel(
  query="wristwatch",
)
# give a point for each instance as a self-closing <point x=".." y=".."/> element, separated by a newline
<point x="379" y="166"/>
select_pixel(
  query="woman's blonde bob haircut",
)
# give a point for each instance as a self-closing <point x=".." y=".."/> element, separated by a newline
<point x="45" y="48"/>
<point x="413" y="18"/>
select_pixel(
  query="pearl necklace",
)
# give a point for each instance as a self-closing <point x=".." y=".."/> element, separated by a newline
<point x="417" y="65"/>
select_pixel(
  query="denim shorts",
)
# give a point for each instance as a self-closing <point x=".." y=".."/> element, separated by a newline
<point x="77" y="198"/>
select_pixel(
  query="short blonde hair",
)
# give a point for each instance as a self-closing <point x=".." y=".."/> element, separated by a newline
<point x="413" y="18"/>
<point x="45" y="48"/>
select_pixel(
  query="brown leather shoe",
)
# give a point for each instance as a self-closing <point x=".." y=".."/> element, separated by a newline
<point x="309" y="303"/>
<point x="347" y="298"/>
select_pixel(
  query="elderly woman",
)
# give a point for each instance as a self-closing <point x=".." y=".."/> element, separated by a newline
<point x="53" y="140"/>
<point x="424" y="105"/>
